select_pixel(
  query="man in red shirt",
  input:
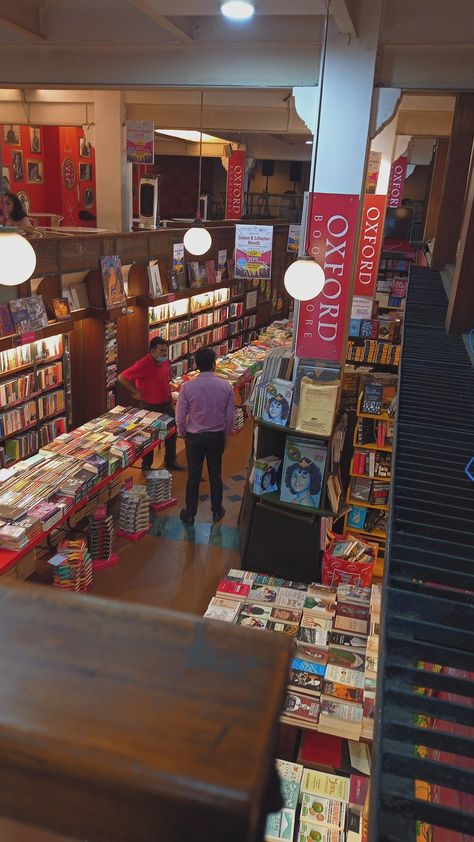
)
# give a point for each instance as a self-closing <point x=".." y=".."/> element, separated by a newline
<point x="149" y="382"/>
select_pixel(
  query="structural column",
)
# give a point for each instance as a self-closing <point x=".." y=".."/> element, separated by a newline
<point x="460" y="315"/>
<point x="454" y="187"/>
<point x="436" y="188"/>
<point x="113" y="174"/>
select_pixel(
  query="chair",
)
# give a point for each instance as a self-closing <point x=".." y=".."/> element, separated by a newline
<point x="50" y="220"/>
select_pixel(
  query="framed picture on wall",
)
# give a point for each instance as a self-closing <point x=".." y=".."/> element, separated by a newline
<point x="17" y="166"/>
<point x="5" y="179"/>
<point x="84" y="148"/>
<point x="11" y="134"/>
<point x="35" y="172"/>
<point x="85" y="172"/>
<point x="89" y="198"/>
<point x="35" y="139"/>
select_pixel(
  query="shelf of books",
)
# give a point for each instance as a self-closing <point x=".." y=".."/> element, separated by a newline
<point x="295" y="415"/>
<point x="335" y="630"/>
<point x="392" y="281"/>
<point x="32" y="397"/>
<point x="368" y="493"/>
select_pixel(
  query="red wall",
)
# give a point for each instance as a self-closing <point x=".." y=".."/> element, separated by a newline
<point x="52" y="195"/>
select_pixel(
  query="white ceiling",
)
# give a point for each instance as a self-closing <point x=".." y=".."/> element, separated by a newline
<point x="163" y="52"/>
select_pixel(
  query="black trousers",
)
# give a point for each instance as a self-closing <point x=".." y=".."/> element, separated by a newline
<point x="199" y="446"/>
<point x="170" y="443"/>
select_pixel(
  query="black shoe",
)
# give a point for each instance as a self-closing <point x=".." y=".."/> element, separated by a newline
<point x="188" y="520"/>
<point x="217" y="516"/>
<point x="175" y="467"/>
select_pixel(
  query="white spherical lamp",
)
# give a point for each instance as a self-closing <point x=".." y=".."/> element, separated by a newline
<point x="17" y="259"/>
<point x="197" y="240"/>
<point x="304" y="279"/>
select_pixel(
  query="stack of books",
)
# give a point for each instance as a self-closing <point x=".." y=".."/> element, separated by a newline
<point x="134" y="510"/>
<point x="72" y="566"/>
<point x="15" y="535"/>
<point x="101" y="536"/>
<point x="332" y="676"/>
<point x="159" y="486"/>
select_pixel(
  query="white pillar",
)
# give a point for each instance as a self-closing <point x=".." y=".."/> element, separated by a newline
<point x="346" y="103"/>
<point x="113" y="174"/>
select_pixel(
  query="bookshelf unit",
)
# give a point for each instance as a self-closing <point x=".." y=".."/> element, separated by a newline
<point x="370" y="476"/>
<point x="394" y="266"/>
<point x="34" y="385"/>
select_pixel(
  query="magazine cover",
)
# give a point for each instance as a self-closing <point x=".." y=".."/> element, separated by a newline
<point x="37" y="313"/>
<point x="6" y="323"/>
<point x="303" y="472"/>
<point x="277" y="401"/>
<point x="221" y="265"/>
<point x="112" y="279"/>
<point x="20" y="315"/>
<point x="154" y="280"/>
<point x="61" y="308"/>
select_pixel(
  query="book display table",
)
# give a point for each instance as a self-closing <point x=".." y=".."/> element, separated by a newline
<point x="77" y="450"/>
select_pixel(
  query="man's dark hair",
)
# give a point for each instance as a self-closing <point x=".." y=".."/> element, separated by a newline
<point x="157" y="340"/>
<point x="205" y="359"/>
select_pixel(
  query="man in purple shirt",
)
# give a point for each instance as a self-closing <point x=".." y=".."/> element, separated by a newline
<point x="204" y="417"/>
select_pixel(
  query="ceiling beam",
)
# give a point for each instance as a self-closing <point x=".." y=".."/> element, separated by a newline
<point x="162" y="21"/>
<point x="190" y="8"/>
<point x="22" y="19"/>
<point x="343" y="18"/>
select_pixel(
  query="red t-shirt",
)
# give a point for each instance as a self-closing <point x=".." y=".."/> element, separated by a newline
<point x="151" y="379"/>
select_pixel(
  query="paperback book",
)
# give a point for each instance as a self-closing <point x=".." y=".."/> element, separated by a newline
<point x="303" y="472"/>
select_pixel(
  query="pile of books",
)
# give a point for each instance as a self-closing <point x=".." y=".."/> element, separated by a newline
<point x="101" y="534"/>
<point x="72" y="566"/>
<point x="321" y="806"/>
<point x="159" y="486"/>
<point x="239" y="419"/>
<point x="329" y="676"/>
<point x="15" y="535"/>
<point x="134" y="510"/>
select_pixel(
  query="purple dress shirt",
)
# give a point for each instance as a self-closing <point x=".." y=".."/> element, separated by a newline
<point x="205" y="404"/>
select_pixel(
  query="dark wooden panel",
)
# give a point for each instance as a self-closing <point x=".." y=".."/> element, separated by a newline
<point x="80" y="253"/>
<point x="460" y="315"/>
<point x="93" y="392"/>
<point x="131" y="247"/>
<point x="123" y="722"/>
<point x="46" y="256"/>
<point x="270" y="551"/>
<point x="435" y="188"/>
<point x="454" y="187"/>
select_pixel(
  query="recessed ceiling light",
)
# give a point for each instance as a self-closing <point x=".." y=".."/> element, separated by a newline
<point x="309" y="142"/>
<point x="237" y="9"/>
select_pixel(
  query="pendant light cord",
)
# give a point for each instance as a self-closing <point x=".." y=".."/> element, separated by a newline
<point x="198" y="213"/>
<point x="318" y="124"/>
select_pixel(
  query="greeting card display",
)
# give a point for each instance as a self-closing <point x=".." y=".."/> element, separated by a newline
<point x="302" y="478"/>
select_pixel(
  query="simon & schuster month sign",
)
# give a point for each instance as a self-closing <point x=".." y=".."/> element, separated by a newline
<point x="333" y="221"/>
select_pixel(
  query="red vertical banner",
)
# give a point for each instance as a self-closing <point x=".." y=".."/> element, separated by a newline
<point x="332" y="218"/>
<point x="370" y="244"/>
<point x="235" y="185"/>
<point x="398" y="174"/>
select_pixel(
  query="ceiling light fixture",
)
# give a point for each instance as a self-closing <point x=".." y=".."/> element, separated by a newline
<point x="309" y="142"/>
<point x="305" y="278"/>
<point x="197" y="239"/>
<point x="237" y="9"/>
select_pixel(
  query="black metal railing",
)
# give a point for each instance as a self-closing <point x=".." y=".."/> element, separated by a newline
<point x="423" y="775"/>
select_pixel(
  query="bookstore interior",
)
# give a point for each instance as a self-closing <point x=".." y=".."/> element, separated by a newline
<point x="302" y="547"/>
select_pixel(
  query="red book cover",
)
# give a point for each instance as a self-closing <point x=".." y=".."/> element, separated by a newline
<point x="323" y="751"/>
<point x="358" y="789"/>
<point x="238" y="589"/>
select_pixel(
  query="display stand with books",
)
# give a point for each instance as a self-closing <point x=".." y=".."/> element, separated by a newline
<point x="294" y="482"/>
<point x="332" y="679"/>
<point x="392" y="281"/>
<point x="370" y="472"/>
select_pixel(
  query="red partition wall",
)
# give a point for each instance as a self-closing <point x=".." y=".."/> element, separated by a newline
<point x="54" y="168"/>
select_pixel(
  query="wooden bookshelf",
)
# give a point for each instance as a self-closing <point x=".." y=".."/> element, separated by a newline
<point x="34" y="359"/>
